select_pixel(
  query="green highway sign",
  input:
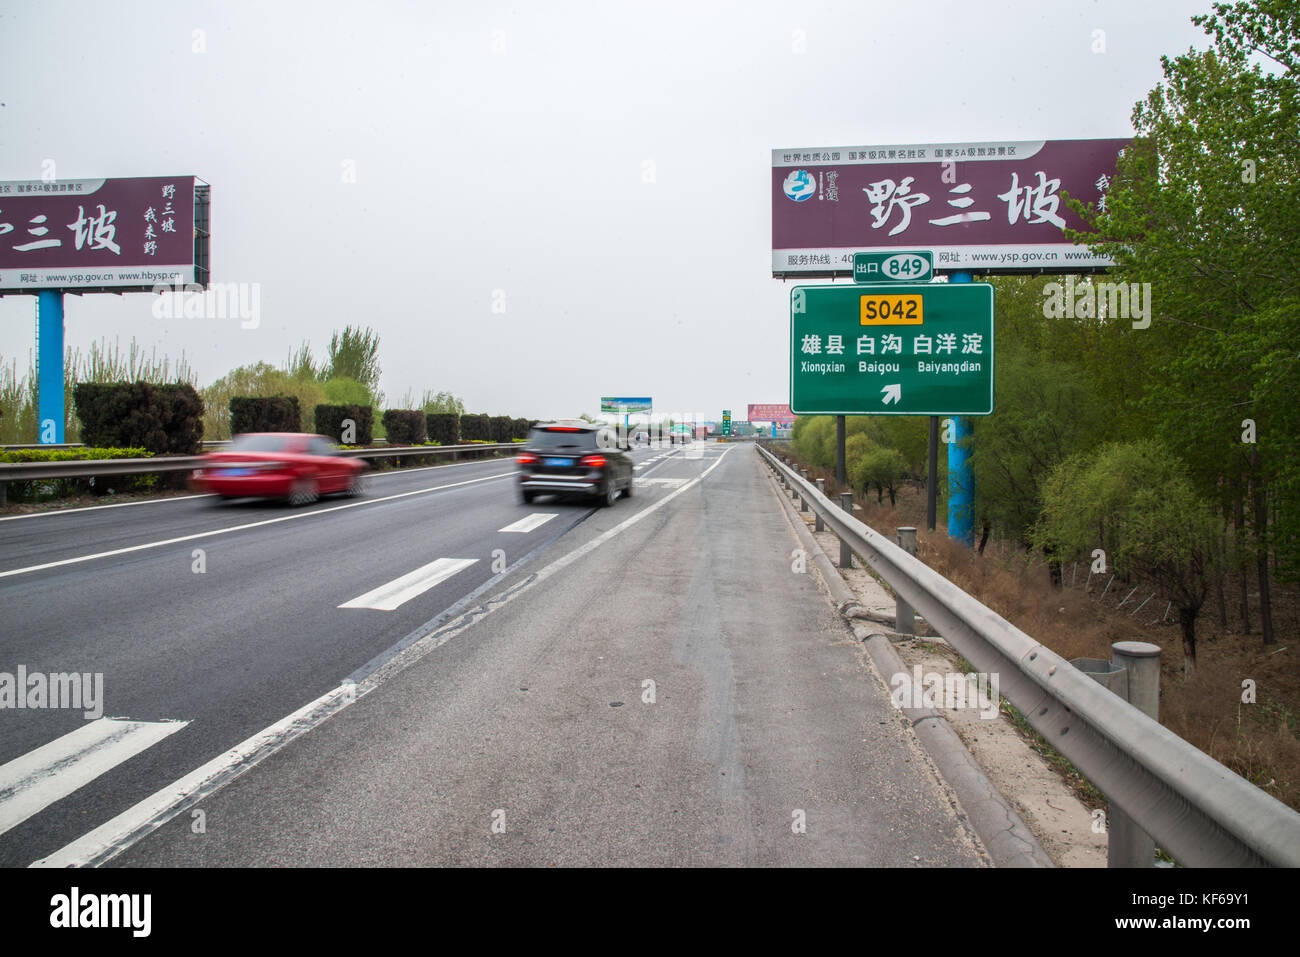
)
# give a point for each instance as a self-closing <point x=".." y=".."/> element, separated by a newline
<point x="923" y="349"/>
<point x="902" y="266"/>
<point x="726" y="421"/>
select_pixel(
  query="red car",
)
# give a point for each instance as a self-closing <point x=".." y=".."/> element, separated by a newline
<point x="289" y="465"/>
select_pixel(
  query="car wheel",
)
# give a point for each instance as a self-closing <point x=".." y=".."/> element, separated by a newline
<point x="357" y="486"/>
<point x="627" y="492"/>
<point x="303" y="492"/>
<point x="609" y="496"/>
<point x="526" y="497"/>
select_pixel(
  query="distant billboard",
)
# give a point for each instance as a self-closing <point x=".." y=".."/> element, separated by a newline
<point x="778" y="414"/>
<point x="979" y="207"/>
<point x="117" y="235"/>
<point x="621" y="404"/>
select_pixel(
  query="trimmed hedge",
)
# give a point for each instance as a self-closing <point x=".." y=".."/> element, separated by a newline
<point x="254" y="413"/>
<point x="160" y="418"/>
<point x="443" y="428"/>
<point x="501" y="428"/>
<point x="475" y="428"/>
<point x="520" y="430"/>
<point x="405" y="426"/>
<point x="329" y="422"/>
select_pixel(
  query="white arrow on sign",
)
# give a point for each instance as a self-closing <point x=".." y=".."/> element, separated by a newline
<point x="892" y="393"/>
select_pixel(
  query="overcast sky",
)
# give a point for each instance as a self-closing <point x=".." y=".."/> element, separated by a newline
<point x="508" y="147"/>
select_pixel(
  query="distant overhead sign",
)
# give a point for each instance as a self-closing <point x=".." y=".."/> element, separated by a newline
<point x="892" y="350"/>
<point x="621" y="404"/>
<point x="81" y="235"/>
<point x="983" y="207"/>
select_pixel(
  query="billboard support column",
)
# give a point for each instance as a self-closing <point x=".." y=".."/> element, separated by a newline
<point x="49" y="366"/>
<point x="841" y="474"/>
<point x="961" y="477"/>
<point x="932" y="475"/>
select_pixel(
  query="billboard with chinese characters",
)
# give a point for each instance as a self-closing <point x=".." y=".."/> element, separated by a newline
<point x="116" y="235"/>
<point x="979" y="207"/>
<point x="774" y="414"/>
<point x="623" y="405"/>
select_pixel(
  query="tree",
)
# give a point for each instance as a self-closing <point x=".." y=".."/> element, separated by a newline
<point x="354" y="354"/>
<point x="1137" y="503"/>
<point x="441" y="402"/>
<point x="1205" y="206"/>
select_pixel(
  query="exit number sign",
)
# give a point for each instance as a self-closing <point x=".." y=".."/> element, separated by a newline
<point x="892" y="350"/>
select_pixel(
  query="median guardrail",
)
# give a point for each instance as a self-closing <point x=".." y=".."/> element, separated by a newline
<point x="84" y="468"/>
<point x="1200" y="812"/>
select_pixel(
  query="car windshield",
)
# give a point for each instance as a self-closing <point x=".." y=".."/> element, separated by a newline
<point x="567" y="439"/>
<point x="263" y="443"/>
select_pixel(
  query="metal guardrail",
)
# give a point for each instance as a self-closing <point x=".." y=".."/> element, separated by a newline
<point x="83" y="468"/>
<point x="1199" y="811"/>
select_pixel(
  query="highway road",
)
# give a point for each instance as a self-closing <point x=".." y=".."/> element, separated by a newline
<point x="437" y="674"/>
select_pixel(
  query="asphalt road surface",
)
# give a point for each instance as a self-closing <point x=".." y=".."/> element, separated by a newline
<point x="439" y="675"/>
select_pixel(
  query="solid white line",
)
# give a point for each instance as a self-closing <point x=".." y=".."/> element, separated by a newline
<point x="536" y="520"/>
<point x="31" y="783"/>
<point x="373" y="476"/>
<point x="95" y="508"/>
<point x="240" y="528"/>
<point x="111" y="838"/>
<point x="399" y="591"/>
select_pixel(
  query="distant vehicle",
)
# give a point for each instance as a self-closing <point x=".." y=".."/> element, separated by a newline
<point x="679" y="434"/>
<point x="574" y="458"/>
<point x="290" y="465"/>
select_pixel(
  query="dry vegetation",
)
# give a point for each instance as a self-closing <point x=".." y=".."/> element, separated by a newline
<point x="1258" y="741"/>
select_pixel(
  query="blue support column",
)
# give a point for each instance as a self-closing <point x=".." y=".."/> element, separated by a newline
<point x="49" y="366"/>
<point x="961" y="477"/>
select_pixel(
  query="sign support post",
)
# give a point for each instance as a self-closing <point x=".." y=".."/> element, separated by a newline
<point x="49" y="366"/>
<point x="961" y="477"/>
<point x="841" y="427"/>
<point x="932" y="478"/>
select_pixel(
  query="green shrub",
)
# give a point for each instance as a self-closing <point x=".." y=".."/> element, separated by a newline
<point x="405" y="426"/>
<point x="330" y="421"/>
<point x="475" y="428"/>
<point x="36" y="490"/>
<point x="278" y="413"/>
<point x="160" y="418"/>
<point x="443" y="427"/>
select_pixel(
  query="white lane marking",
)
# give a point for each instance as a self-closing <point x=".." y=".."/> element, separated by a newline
<point x="113" y="837"/>
<point x="95" y="508"/>
<point x="399" y="591"/>
<point x="31" y="783"/>
<point x="372" y="476"/>
<point x="159" y="807"/>
<point x="246" y="526"/>
<point x="666" y="482"/>
<point x="536" y="520"/>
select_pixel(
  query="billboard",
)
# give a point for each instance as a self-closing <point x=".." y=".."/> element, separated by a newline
<point x="778" y="414"/>
<point x="979" y="207"/>
<point x="622" y="404"/>
<point x="113" y="235"/>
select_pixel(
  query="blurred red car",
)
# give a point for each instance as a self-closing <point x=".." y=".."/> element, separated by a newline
<point x="289" y="465"/>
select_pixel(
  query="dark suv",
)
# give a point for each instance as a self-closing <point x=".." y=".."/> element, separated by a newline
<point x="574" y="458"/>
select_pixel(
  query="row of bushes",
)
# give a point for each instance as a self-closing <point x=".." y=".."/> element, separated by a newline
<point x="169" y="419"/>
<point x="35" y="490"/>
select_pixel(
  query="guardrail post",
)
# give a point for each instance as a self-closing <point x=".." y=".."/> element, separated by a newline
<point x="821" y="487"/>
<point x="904" y="615"/>
<point x="846" y="553"/>
<point x="803" y="502"/>
<point x="1127" y="844"/>
<point x="3" y="485"/>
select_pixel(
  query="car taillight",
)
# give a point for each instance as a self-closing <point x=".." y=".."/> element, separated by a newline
<point x="526" y="459"/>
<point x="593" y="460"/>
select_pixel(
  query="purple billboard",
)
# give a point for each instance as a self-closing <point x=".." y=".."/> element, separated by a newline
<point x="81" y="235"/>
<point x="981" y="207"/>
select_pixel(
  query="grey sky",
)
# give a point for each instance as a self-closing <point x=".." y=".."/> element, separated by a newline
<point x="505" y="147"/>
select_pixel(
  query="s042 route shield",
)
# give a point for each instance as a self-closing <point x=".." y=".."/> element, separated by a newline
<point x="924" y="349"/>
